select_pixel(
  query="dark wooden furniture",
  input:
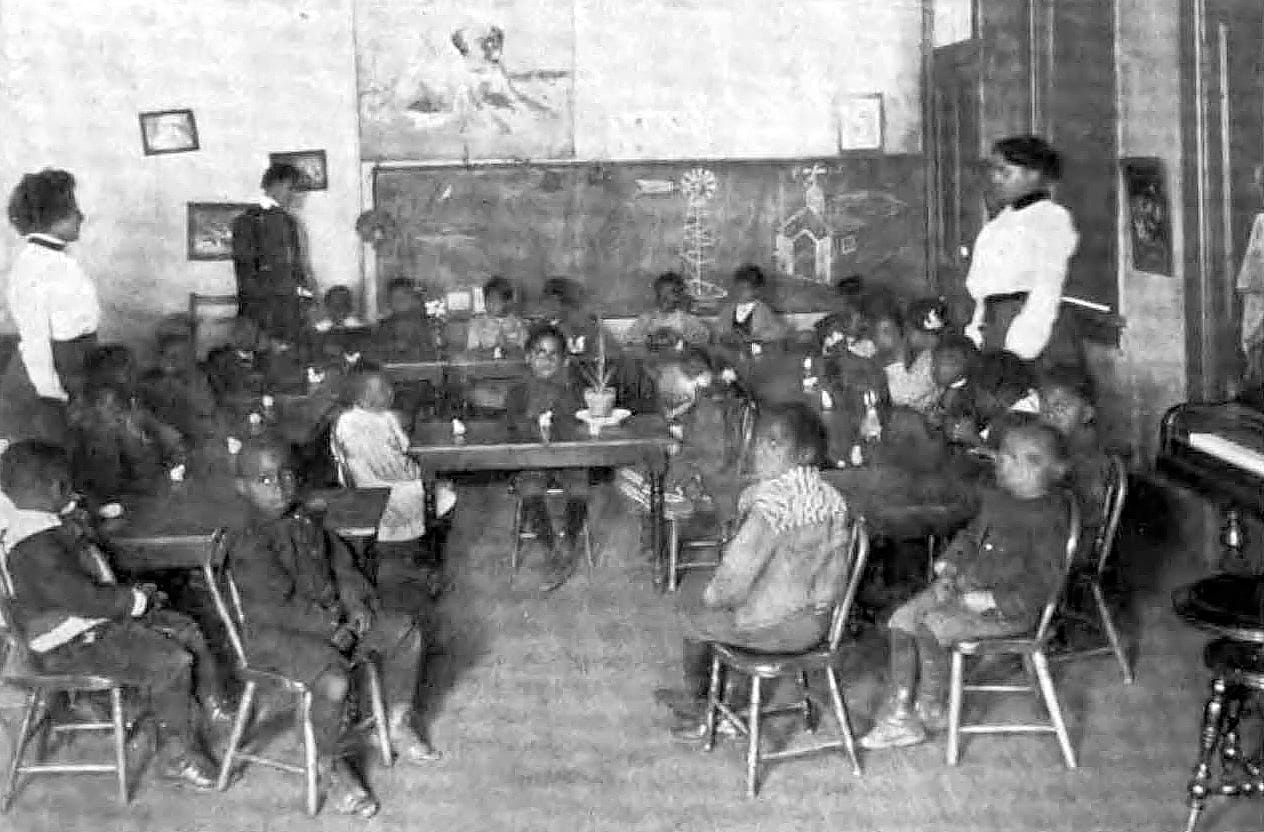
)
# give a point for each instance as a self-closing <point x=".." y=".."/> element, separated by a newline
<point x="900" y="504"/>
<point x="764" y="667"/>
<point x="453" y="377"/>
<point x="1032" y="649"/>
<point x="1231" y="608"/>
<point x="502" y="446"/>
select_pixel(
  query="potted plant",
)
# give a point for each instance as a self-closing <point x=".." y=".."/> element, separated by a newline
<point x="598" y="395"/>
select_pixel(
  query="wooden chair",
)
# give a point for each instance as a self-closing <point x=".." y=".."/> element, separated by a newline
<point x="199" y="302"/>
<point x="1103" y="548"/>
<point x="218" y="574"/>
<point x="42" y="690"/>
<point x="1032" y="650"/>
<point x="521" y="533"/>
<point x="762" y="666"/>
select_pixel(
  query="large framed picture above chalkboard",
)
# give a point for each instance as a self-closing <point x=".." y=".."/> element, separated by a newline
<point x="614" y="226"/>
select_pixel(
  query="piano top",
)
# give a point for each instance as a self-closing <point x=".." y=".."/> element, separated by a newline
<point x="1216" y="450"/>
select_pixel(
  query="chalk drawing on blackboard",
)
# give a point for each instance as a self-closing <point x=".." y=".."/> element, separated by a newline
<point x="655" y="187"/>
<point x="699" y="186"/>
<point x="804" y="244"/>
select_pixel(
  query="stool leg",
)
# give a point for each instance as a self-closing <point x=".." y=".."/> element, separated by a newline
<point x="752" y="749"/>
<point x="310" y="767"/>
<point x="235" y="736"/>
<point x="120" y="741"/>
<point x="673" y="554"/>
<point x="809" y="714"/>
<point x="1208" y="739"/>
<point x="515" y="552"/>
<point x="1050" y="696"/>
<point x="23" y="738"/>
<point x="588" y="547"/>
<point x="956" y="695"/>
<point x="714" y="691"/>
<point x="380" y="723"/>
<point x="1112" y="633"/>
<point x="844" y="721"/>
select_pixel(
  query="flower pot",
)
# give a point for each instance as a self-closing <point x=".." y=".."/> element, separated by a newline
<point x="600" y="402"/>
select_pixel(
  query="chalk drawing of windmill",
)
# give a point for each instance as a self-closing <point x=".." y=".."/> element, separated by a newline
<point x="699" y="186"/>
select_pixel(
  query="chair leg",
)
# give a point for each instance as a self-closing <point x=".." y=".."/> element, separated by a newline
<point x="589" y="552"/>
<point x="310" y="767"/>
<point x="235" y="736"/>
<point x="844" y="721"/>
<point x="516" y="551"/>
<point x="120" y="742"/>
<point x="1112" y="632"/>
<point x="21" y="740"/>
<point x="956" y="695"/>
<point x="752" y="749"/>
<point x="1050" y="696"/>
<point x="809" y="714"/>
<point x="673" y="554"/>
<point x="380" y="722"/>
<point x="714" y="692"/>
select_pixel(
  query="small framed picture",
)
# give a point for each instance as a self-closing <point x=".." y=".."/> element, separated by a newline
<point x="860" y="122"/>
<point x="211" y="229"/>
<point x="1149" y="214"/>
<point x="311" y="163"/>
<point x="168" y="131"/>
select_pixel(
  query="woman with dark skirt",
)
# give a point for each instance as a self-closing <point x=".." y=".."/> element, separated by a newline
<point x="54" y="304"/>
<point x="1020" y="259"/>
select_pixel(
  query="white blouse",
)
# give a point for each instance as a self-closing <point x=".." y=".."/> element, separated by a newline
<point x="1023" y="250"/>
<point x="51" y="298"/>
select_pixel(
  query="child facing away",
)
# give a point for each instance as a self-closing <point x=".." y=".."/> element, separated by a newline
<point x="499" y="327"/>
<point x="781" y="573"/>
<point x="670" y="312"/>
<point x="1066" y="405"/>
<point x="992" y="581"/>
<point x="312" y="616"/>
<point x="178" y="393"/>
<point x="239" y="368"/>
<point x="339" y="334"/>
<point x="909" y="373"/>
<point x="748" y="318"/>
<point x="78" y="619"/>
<point x="562" y="307"/>
<point x="339" y="311"/>
<point x="406" y="333"/>
<point x="547" y="396"/>
<point x="370" y="444"/>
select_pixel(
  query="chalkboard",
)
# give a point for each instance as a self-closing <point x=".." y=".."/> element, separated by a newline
<point x="613" y="227"/>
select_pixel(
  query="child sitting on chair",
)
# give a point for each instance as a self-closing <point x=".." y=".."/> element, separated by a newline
<point x="120" y="448"/>
<point x="498" y="328"/>
<point x="542" y="401"/>
<point x="909" y="373"/>
<point x="992" y="581"/>
<point x="671" y="311"/>
<point x="312" y="616"/>
<point x="339" y="332"/>
<point x="782" y="572"/>
<point x="405" y="334"/>
<point x="562" y="307"/>
<point x="178" y="393"/>
<point x="1066" y="405"/>
<point x="748" y="318"/>
<point x="371" y="446"/>
<point x="239" y="368"/>
<point x="339" y="311"/>
<point x="79" y="619"/>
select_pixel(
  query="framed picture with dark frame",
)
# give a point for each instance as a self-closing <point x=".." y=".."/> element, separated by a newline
<point x="168" y="131"/>
<point x="311" y="163"/>
<point x="210" y="231"/>
<point x="1149" y="214"/>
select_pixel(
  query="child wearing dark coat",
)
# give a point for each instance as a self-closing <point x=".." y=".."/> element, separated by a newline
<point x="1066" y="405"/>
<point x="239" y="368"/>
<point x="178" y="393"/>
<point x="120" y="447"/>
<point x="992" y="581"/>
<point x="405" y="334"/>
<point x="79" y="619"/>
<point x="313" y="616"/>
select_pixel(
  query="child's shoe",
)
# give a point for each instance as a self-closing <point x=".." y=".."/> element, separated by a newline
<point x="933" y="714"/>
<point x="897" y="726"/>
<point x="347" y="793"/>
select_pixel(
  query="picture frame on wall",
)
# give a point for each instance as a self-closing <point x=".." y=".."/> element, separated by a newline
<point x="210" y="229"/>
<point x="860" y="121"/>
<point x="1149" y="213"/>
<point x="311" y="163"/>
<point x="168" y="131"/>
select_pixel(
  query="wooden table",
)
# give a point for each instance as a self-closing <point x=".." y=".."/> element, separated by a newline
<point x="454" y="374"/>
<point x="501" y="446"/>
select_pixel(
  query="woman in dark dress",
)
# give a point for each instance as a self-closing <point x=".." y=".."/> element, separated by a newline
<point x="54" y="305"/>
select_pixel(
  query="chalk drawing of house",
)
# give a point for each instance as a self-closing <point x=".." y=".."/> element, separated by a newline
<point x="804" y="244"/>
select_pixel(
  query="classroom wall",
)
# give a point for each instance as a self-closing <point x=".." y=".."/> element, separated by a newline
<point x="260" y="75"/>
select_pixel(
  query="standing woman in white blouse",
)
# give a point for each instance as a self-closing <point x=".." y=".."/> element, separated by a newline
<point x="55" y="307"/>
<point x="1020" y="259"/>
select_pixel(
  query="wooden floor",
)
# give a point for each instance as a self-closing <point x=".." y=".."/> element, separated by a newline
<point x="543" y="706"/>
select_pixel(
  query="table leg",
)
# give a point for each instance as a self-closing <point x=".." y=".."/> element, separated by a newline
<point x="431" y="484"/>
<point x="657" y="521"/>
<point x="1209" y="739"/>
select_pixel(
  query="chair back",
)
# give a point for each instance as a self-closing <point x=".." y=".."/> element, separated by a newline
<point x="857" y="555"/>
<point x="339" y="454"/>
<point x="15" y="654"/>
<point x="1059" y="587"/>
<point x="1116" y="495"/>
<point x="218" y="573"/>
<point x="200" y="302"/>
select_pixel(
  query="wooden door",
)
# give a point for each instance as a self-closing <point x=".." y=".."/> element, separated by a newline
<point x="1223" y="114"/>
<point x="955" y="147"/>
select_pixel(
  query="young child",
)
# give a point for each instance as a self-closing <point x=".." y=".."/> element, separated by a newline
<point x="498" y="327"/>
<point x="1066" y="405"/>
<point x="238" y="369"/>
<point x="120" y="448"/>
<point x="992" y="581"/>
<point x="748" y="318"/>
<point x="311" y="615"/>
<point x="925" y="322"/>
<point x="671" y="312"/>
<point x="113" y="365"/>
<point x="548" y="389"/>
<point x="561" y="307"/>
<point x="79" y="619"/>
<point x="370" y="443"/>
<point x="953" y="363"/>
<point x="178" y="393"/>
<point x="783" y="569"/>
<point x="910" y="374"/>
<point x="405" y="334"/>
<point x="339" y="311"/>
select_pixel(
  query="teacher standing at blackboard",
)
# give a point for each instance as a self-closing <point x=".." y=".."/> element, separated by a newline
<point x="54" y="304"/>
<point x="1020" y="259"/>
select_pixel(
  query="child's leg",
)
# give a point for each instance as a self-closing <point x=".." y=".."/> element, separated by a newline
<point x="532" y="487"/>
<point x="897" y="723"/>
<point x="208" y="682"/>
<point x="402" y="643"/>
<point x="932" y="680"/>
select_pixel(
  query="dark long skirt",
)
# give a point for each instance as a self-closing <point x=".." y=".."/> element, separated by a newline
<point x="24" y="414"/>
